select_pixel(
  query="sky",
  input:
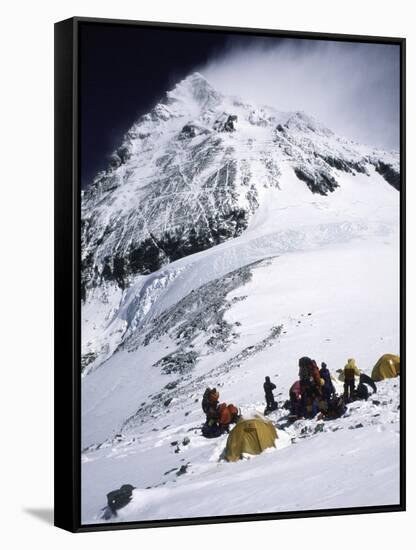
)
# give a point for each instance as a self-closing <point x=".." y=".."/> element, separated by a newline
<point x="353" y="88"/>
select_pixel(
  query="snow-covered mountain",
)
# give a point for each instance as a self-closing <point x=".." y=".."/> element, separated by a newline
<point x="190" y="174"/>
<point x="224" y="242"/>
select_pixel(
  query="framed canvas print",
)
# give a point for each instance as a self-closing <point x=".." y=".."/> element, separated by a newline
<point x="229" y="276"/>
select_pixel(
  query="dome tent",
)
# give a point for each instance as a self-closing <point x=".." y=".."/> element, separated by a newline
<point x="251" y="436"/>
<point x="388" y="366"/>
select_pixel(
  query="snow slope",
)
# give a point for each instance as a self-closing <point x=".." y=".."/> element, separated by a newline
<point x="310" y="274"/>
<point x="332" y="300"/>
<point x="345" y="466"/>
<point x="194" y="173"/>
<point x="289" y="219"/>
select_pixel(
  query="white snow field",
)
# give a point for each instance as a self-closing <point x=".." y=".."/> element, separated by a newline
<point x="311" y="275"/>
<point x="225" y="241"/>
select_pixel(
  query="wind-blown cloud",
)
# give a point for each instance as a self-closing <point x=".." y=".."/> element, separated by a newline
<point x="353" y="88"/>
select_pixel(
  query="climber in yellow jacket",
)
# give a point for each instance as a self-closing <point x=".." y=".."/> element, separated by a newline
<point x="350" y="372"/>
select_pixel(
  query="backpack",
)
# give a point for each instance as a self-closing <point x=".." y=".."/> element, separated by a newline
<point x="224" y="415"/>
<point x="326" y="375"/>
<point x="304" y="373"/>
<point x="213" y="396"/>
<point x="349" y="374"/>
<point x="205" y="400"/>
<point x="120" y="497"/>
<point x="211" y="431"/>
<point x="337" y="407"/>
<point x="314" y="374"/>
<point x="234" y="412"/>
<point x="209" y="398"/>
<point x="362" y="391"/>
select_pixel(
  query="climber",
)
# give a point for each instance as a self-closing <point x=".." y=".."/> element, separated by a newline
<point x="328" y="389"/>
<point x="365" y="379"/>
<point x="210" y="403"/>
<point x="220" y="423"/>
<point x="227" y="414"/>
<point x="362" y="389"/>
<point x="268" y="386"/>
<point x="295" y="400"/>
<point x="309" y="375"/>
<point x="350" y="372"/>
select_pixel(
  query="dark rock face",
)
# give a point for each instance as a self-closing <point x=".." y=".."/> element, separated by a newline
<point x="190" y="131"/>
<point x="86" y="359"/>
<point x="229" y="124"/>
<point x="153" y="252"/>
<point x="226" y="123"/>
<point x="344" y="165"/>
<point x="318" y="182"/>
<point x="177" y="362"/>
<point x="182" y="470"/>
<point x="120" y="156"/>
<point x="389" y="174"/>
<point x="175" y="218"/>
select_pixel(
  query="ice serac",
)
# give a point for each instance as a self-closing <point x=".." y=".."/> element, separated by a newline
<point x="189" y="175"/>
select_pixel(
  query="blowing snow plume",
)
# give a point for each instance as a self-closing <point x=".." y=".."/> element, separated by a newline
<point x="353" y="88"/>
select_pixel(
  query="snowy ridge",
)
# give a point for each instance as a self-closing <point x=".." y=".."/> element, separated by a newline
<point x="191" y="174"/>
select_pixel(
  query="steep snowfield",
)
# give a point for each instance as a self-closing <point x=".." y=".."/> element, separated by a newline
<point x="196" y="172"/>
<point x="311" y="275"/>
<point x="289" y="219"/>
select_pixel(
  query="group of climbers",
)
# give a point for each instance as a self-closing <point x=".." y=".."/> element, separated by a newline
<point x="315" y="393"/>
<point x="312" y="394"/>
<point x="219" y="417"/>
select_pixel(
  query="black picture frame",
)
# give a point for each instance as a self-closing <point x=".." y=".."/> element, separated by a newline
<point x="67" y="276"/>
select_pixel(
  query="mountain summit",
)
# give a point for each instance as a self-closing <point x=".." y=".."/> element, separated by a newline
<point x="191" y="173"/>
<point x="193" y="92"/>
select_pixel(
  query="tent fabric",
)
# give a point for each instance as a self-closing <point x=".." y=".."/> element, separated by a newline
<point x="388" y="366"/>
<point x="251" y="436"/>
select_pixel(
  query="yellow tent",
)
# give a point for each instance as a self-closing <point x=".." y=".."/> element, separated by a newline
<point x="250" y="436"/>
<point x="388" y="366"/>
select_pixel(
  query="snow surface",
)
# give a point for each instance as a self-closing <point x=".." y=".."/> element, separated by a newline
<point x="311" y="275"/>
